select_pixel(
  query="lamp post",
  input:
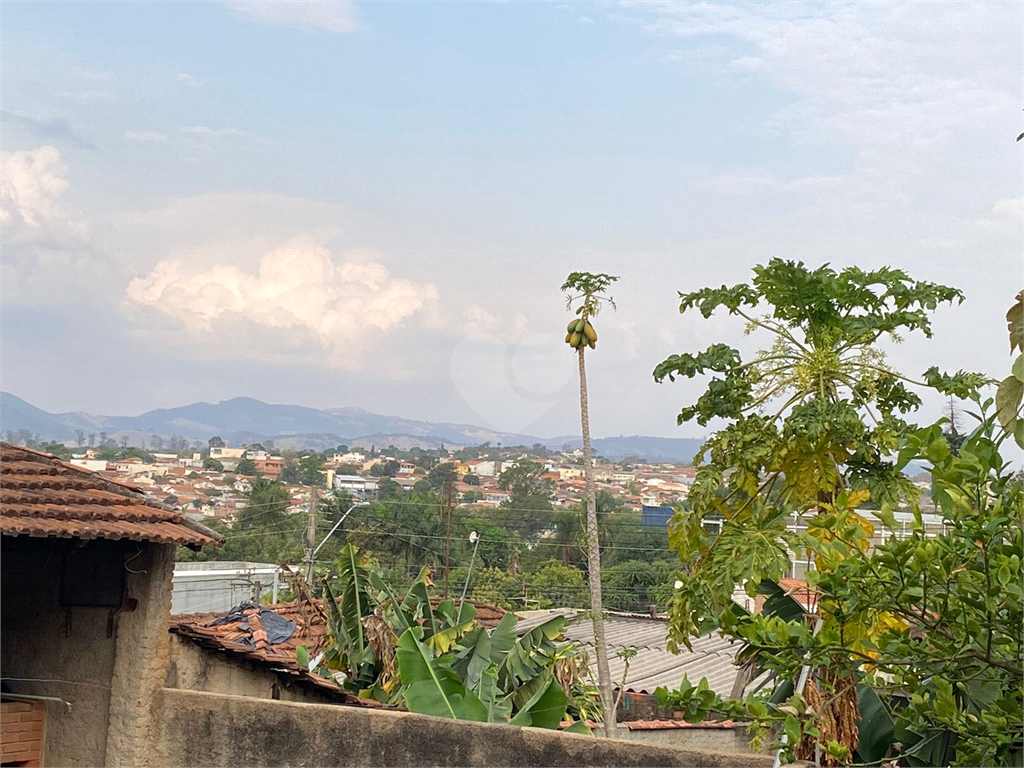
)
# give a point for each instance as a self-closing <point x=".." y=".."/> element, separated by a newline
<point x="474" y="539"/>
<point x="312" y="554"/>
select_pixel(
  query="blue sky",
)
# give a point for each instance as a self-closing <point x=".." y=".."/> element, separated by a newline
<point x="374" y="204"/>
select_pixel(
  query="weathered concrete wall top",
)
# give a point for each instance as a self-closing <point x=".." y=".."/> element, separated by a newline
<point x="206" y="729"/>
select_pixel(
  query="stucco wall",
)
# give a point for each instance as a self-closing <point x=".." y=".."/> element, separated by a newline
<point x="205" y="729"/>
<point x="73" y="653"/>
<point x="192" y="668"/>
<point x="70" y="650"/>
<point x="712" y="739"/>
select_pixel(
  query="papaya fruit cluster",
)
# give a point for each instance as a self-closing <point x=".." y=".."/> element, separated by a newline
<point x="580" y="332"/>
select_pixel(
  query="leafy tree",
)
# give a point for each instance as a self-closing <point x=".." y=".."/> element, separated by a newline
<point x="529" y="497"/>
<point x="57" y="449"/>
<point x="440" y="475"/>
<point x="498" y="587"/>
<point x="290" y="473"/>
<point x="470" y="479"/>
<point x="590" y="289"/>
<point x="558" y="585"/>
<point x="311" y="470"/>
<point x="246" y="467"/>
<point x="217" y="442"/>
<point x="635" y="585"/>
<point x="389" y="489"/>
<point x="156" y="441"/>
<point x="80" y="437"/>
<point x="471" y="497"/>
<point x="421" y="486"/>
<point x="212" y="465"/>
<point x="812" y="423"/>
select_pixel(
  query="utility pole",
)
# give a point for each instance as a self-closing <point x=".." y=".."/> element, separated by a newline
<point x="311" y="538"/>
<point x="446" y="502"/>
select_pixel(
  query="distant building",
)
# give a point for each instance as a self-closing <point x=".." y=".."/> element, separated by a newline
<point x="93" y="465"/>
<point x="270" y="466"/>
<point x="354" y="485"/>
<point x="226" y="453"/>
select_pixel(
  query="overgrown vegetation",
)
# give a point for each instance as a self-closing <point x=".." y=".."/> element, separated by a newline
<point x="913" y="651"/>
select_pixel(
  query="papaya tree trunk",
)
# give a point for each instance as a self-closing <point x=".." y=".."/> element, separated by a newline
<point x="604" y="677"/>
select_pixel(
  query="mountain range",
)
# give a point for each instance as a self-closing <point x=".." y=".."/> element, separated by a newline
<point x="243" y="420"/>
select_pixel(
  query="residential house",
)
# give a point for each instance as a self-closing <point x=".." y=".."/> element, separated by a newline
<point x="86" y="583"/>
<point x="225" y="452"/>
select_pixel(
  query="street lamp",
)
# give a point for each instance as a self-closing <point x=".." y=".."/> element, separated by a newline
<point x="312" y="554"/>
<point x="474" y="539"/>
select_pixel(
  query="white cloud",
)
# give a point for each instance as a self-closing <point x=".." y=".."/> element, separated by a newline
<point x="31" y="183"/>
<point x="145" y="136"/>
<point x="204" y="130"/>
<point x="299" y="289"/>
<point x="881" y="75"/>
<point x="48" y="253"/>
<point x="31" y="180"/>
<point x="332" y="15"/>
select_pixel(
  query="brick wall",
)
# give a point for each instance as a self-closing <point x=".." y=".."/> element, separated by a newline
<point x="22" y="727"/>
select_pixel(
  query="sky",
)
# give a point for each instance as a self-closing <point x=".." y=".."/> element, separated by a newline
<point x="374" y="204"/>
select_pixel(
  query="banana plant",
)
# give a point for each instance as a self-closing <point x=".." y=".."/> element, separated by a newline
<point x="432" y="686"/>
<point x="346" y="649"/>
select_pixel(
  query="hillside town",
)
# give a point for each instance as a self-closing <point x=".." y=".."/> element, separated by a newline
<point x="212" y="483"/>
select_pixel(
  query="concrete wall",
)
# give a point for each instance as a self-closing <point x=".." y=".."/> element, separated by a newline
<point x="192" y="668"/>
<point x="106" y="666"/>
<point x="204" y="729"/>
<point x="712" y="739"/>
<point x="66" y="653"/>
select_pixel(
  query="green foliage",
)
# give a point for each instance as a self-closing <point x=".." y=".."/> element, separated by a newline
<point x="212" y="465"/>
<point x="928" y="627"/>
<point x="246" y="467"/>
<point x="816" y="412"/>
<point x="447" y="665"/>
<point x="311" y="470"/>
<point x="1011" y="389"/>
<point x="113" y="453"/>
<point x="556" y="584"/>
<point x="57" y="449"/>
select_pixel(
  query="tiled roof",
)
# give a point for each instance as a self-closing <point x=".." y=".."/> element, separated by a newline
<point x="44" y="497"/>
<point x="309" y="629"/>
<point x="654" y="665"/>
<point x="246" y="638"/>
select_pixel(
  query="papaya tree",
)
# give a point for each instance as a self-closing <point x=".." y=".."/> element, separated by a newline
<point x="812" y="425"/>
<point x="588" y="289"/>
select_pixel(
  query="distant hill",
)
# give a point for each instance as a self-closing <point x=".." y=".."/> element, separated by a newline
<point x="244" y="420"/>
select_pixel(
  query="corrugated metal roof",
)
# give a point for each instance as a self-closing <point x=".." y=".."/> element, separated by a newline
<point x="654" y="665"/>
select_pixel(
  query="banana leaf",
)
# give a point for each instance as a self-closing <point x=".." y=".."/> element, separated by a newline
<point x="546" y="709"/>
<point x="876" y="726"/>
<point x="491" y="696"/>
<point x="579" y="726"/>
<point x="443" y="640"/>
<point x="429" y="688"/>
<point x="399" y="618"/>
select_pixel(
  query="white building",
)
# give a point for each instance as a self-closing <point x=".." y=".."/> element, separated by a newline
<point x="226" y="453"/>
<point x="354" y="485"/>
<point x="94" y="465"/>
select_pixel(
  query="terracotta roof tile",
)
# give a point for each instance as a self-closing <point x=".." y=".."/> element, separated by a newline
<point x="42" y="496"/>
